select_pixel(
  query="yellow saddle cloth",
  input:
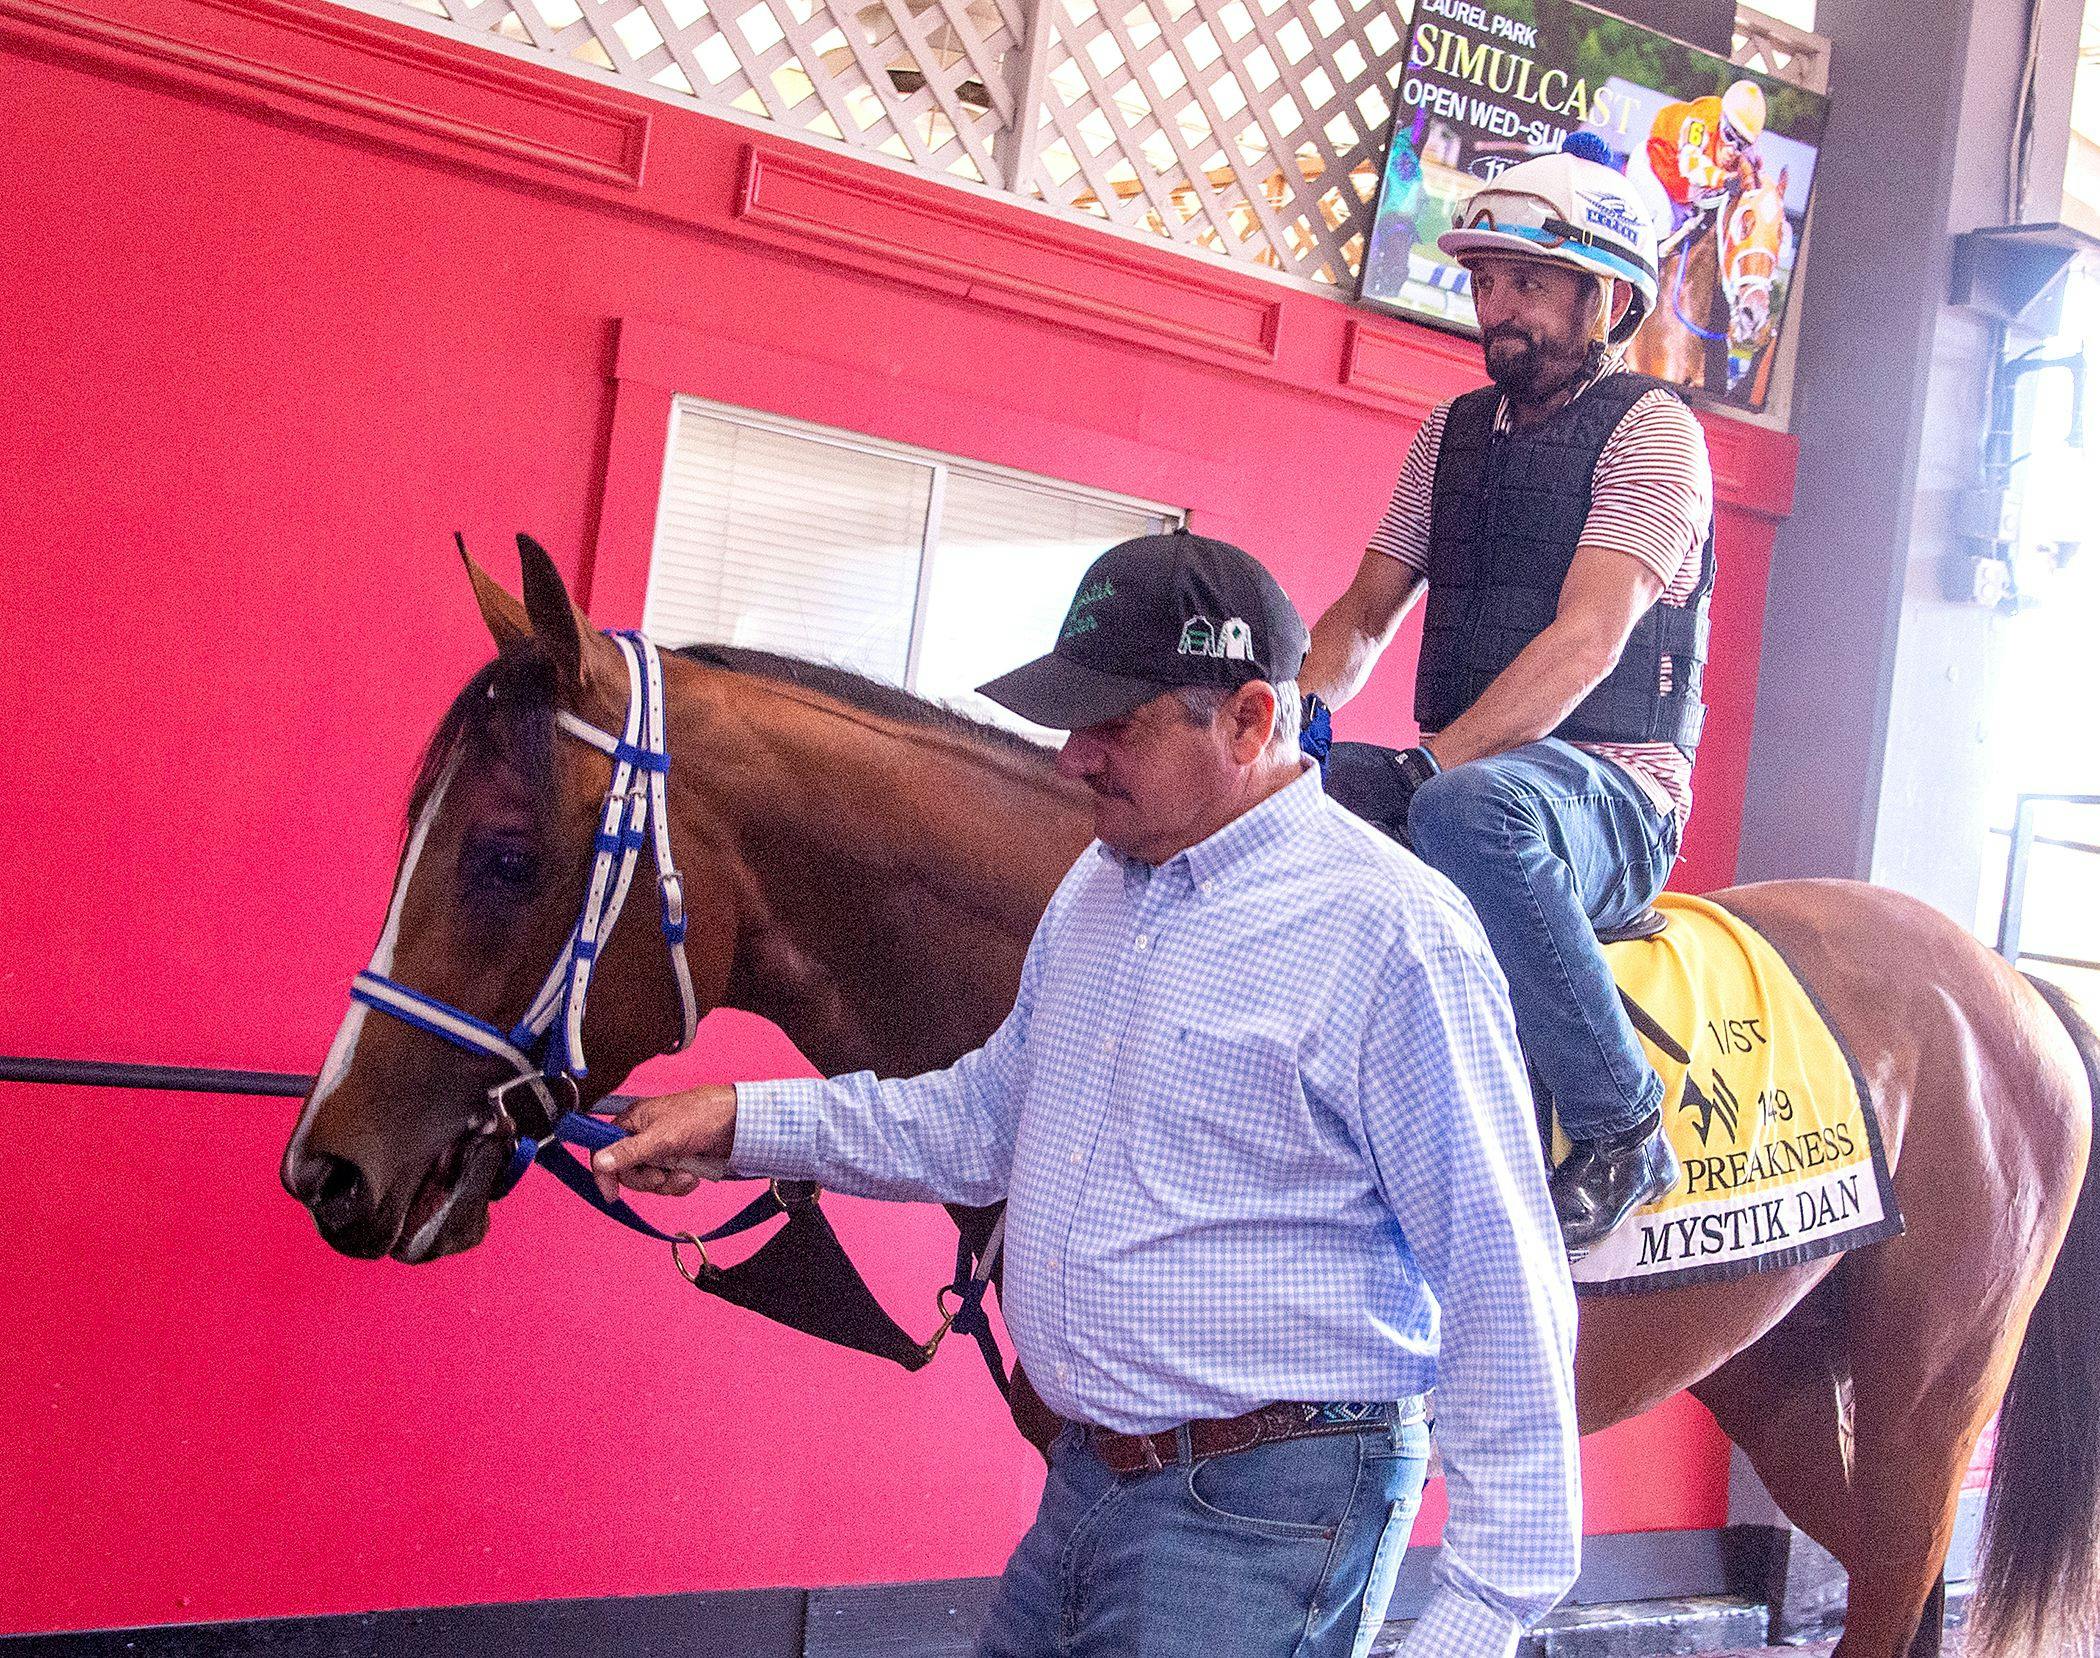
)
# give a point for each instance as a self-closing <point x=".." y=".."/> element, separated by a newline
<point x="1780" y="1155"/>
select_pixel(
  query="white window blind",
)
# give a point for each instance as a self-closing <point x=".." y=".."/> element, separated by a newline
<point x="912" y="567"/>
<point x="768" y="539"/>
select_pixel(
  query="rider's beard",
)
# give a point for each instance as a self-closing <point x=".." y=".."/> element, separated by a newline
<point x="1529" y="370"/>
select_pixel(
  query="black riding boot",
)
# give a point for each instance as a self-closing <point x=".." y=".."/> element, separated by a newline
<point x="1601" y="1182"/>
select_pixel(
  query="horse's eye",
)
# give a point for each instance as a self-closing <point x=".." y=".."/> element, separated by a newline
<point x="512" y="868"/>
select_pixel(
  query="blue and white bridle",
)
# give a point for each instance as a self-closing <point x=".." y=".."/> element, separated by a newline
<point x="545" y="1048"/>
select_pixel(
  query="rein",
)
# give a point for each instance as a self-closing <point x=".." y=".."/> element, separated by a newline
<point x="1735" y="280"/>
<point x="801" y="1276"/>
<point x="1677" y="298"/>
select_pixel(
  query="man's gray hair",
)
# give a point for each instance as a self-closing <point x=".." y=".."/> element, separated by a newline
<point x="1200" y="703"/>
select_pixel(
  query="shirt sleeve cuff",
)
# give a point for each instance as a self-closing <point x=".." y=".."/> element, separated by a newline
<point x="778" y="1126"/>
<point x="1411" y="557"/>
<point x="1456" y="1625"/>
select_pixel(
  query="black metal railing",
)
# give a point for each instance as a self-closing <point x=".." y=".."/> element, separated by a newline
<point x="193" y="1079"/>
<point x="2018" y="866"/>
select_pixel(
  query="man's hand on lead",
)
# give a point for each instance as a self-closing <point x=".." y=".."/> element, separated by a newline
<point x="673" y="1143"/>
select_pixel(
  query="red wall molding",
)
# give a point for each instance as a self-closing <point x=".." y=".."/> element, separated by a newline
<point x="1753" y="466"/>
<point x="331" y="64"/>
<point x="857" y="217"/>
<point x="1406" y="366"/>
<point x="652" y="363"/>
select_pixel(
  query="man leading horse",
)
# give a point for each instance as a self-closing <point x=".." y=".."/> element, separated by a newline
<point x="1261" y="1126"/>
<point x="1561" y="523"/>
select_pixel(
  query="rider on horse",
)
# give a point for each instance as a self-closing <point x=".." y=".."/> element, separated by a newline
<point x="1696" y="148"/>
<point x="1561" y="522"/>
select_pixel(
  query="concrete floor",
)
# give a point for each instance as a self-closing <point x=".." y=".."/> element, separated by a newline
<point x="1821" y="1649"/>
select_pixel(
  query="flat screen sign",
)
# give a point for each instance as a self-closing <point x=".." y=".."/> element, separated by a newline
<point x="1723" y="157"/>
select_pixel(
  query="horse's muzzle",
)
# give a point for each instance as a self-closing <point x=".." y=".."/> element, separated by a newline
<point x="444" y="1212"/>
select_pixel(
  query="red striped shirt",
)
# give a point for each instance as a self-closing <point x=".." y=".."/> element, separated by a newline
<point x="1651" y="498"/>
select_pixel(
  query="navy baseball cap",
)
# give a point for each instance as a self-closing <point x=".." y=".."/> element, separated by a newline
<point x="1152" y="615"/>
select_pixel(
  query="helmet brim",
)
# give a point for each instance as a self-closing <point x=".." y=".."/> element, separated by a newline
<point x="1496" y="244"/>
<point x="1515" y="244"/>
<point x="1467" y="245"/>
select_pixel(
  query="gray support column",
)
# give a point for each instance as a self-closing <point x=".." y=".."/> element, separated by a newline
<point x="1865" y="760"/>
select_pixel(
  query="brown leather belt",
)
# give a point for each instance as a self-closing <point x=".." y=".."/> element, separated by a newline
<point x="1126" y="1453"/>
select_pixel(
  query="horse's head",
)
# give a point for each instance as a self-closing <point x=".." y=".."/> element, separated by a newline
<point x="401" y="1145"/>
<point x="1754" y="237"/>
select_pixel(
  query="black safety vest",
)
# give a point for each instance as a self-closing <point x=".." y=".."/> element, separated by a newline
<point x="1506" y="514"/>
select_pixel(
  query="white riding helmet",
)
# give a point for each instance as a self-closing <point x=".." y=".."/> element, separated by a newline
<point x="1743" y="108"/>
<point x="1567" y="210"/>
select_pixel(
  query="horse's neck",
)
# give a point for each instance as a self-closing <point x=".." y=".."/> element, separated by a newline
<point x="890" y="874"/>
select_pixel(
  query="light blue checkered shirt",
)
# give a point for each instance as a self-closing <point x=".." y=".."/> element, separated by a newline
<point x="1245" y="1103"/>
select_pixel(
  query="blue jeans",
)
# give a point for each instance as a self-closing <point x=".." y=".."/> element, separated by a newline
<point x="1549" y="843"/>
<point x="1287" y="1550"/>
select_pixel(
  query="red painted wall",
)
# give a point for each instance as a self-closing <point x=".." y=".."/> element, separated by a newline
<point x="292" y="295"/>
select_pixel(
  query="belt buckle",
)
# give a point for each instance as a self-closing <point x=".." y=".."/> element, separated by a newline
<point x="1152" y="1462"/>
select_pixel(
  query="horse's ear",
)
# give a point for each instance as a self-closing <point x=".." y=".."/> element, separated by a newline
<point x="507" y="622"/>
<point x="578" y="649"/>
<point x="1782" y="184"/>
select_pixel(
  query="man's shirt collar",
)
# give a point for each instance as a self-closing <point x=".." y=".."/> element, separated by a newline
<point x="1207" y="865"/>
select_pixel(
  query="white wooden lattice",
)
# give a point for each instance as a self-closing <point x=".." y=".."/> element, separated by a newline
<point x="1252" y="129"/>
<point x="1781" y="51"/>
<point x="926" y="81"/>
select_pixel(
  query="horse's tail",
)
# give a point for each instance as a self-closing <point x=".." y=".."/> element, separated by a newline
<point x="2039" y="1586"/>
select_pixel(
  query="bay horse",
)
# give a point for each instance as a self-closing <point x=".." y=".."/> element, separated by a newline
<point x="865" y="870"/>
<point x="1714" y="290"/>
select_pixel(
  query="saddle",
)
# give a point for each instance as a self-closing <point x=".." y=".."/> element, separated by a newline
<point x="1645" y="925"/>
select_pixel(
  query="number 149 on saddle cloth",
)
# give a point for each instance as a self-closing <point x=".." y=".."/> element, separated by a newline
<point x="1780" y="1157"/>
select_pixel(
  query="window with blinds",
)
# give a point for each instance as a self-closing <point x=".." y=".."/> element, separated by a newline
<point x="929" y="572"/>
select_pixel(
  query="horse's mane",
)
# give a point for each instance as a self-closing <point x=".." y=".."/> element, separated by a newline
<point x="507" y="711"/>
<point x="870" y="696"/>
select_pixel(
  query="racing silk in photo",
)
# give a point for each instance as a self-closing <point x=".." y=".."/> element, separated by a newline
<point x="1684" y="152"/>
<point x="1643" y="487"/>
<point x="1247" y="1103"/>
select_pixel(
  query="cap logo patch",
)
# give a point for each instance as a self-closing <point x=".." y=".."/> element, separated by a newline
<point x="1076" y="621"/>
<point x="1608" y="212"/>
<point x="1231" y="639"/>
